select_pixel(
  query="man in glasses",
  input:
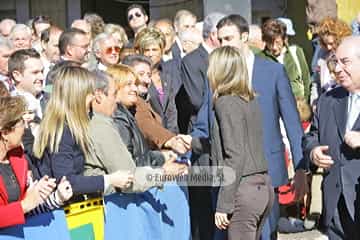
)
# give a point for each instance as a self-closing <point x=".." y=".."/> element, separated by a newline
<point x="137" y="18"/>
<point x="74" y="45"/>
<point x="107" y="51"/>
<point x="331" y="144"/>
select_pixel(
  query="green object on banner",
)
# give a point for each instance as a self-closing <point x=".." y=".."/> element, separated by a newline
<point x="84" y="232"/>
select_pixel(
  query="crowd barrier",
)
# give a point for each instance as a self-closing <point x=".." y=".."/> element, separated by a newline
<point x="155" y="214"/>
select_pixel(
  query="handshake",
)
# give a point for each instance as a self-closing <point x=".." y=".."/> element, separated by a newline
<point x="179" y="143"/>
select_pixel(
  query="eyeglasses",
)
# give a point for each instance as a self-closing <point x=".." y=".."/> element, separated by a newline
<point x="333" y="61"/>
<point x="131" y="16"/>
<point x="110" y="50"/>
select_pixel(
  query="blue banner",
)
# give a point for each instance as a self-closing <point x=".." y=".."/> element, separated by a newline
<point x="51" y="225"/>
<point x="155" y="214"/>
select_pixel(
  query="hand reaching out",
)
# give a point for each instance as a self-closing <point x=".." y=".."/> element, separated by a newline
<point x="121" y="179"/>
<point x="352" y="139"/>
<point x="320" y="158"/>
<point x="64" y="190"/>
<point x="177" y="145"/>
<point x="46" y="186"/>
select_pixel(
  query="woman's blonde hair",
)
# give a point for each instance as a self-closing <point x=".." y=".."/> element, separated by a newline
<point x="115" y="28"/>
<point x="67" y="105"/>
<point x="120" y="73"/>
<point x="228" y="74"/>
<point x="149" y="36"/>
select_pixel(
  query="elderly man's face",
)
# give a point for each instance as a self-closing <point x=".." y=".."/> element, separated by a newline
<point x="347" y="69"/>
<point x="187" y="23"/>
<point x="169" y="33"/>
<point x="21" y="40"/>
<point x="109" y="52"/>
<point x="5" y="53"/>
<point x="51" y="49"/>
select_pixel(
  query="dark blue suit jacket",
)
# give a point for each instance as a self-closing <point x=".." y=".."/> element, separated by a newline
<point x="328" y="128"/>
<point x="194" y="75"/>
<point x="276" y="100"/>
<point x="69" y="161"/>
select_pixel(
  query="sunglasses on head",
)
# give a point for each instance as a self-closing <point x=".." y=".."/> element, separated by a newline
<point x="131" y="16"/>
<point x="110" y="50"/>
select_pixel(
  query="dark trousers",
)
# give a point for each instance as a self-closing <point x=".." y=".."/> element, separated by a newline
<point x="201" y="213"/>
<point x="253" y="202"/>
<point x="342" y="226"/>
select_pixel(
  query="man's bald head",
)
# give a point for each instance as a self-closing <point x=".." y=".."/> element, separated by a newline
<point x="6" y="25"/>
<point x="347" y="64"/>
<point x="352" y="44"/>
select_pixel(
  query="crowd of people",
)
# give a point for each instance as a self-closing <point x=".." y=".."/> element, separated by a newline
<point x="87" y="111"/>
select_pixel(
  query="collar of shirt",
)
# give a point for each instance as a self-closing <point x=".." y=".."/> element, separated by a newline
<point x="102" y="67"/>
<point x="250" y="59"/>
<point x="167" y="57"/>
<point x="178" y="42"/>
<point x="281" y="57"/>
<point x="207" y="48"/>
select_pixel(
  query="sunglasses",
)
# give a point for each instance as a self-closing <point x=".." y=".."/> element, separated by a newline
<point x="110" y="50"/>
<point x="131" y="16"/>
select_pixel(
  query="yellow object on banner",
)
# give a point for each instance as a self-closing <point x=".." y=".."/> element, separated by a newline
<point x="348" y="9"/>
<point x="90" y="211"/>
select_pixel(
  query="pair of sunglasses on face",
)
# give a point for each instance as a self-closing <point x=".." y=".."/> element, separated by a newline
<point x="131" y="16"/>
<point x="110" y="50"/>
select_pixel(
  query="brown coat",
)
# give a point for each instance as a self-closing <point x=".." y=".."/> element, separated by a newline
<point x="150" y="125"/>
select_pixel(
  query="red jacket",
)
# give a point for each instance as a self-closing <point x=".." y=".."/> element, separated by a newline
<point x="12" y="213"/>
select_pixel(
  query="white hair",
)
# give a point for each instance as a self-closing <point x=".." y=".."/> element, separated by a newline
<point x="98" y="40"/>
<point x="210" y="23"/>
<point x="19" y="28"/>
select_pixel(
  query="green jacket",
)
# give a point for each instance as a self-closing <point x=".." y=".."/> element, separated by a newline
<point x="299" y="81"/>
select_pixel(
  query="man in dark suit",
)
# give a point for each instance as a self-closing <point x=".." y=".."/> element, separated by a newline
<point x="329" y="145"/>
<point x="194" y="72"/>
<point x="276" y="100"/>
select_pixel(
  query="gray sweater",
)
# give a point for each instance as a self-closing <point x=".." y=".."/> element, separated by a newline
<point x="237" y="143"/>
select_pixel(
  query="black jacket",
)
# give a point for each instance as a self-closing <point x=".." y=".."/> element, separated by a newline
<point x="134" y="140"/>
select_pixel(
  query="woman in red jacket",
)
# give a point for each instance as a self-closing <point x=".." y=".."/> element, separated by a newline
<point x="18" y="194"/>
